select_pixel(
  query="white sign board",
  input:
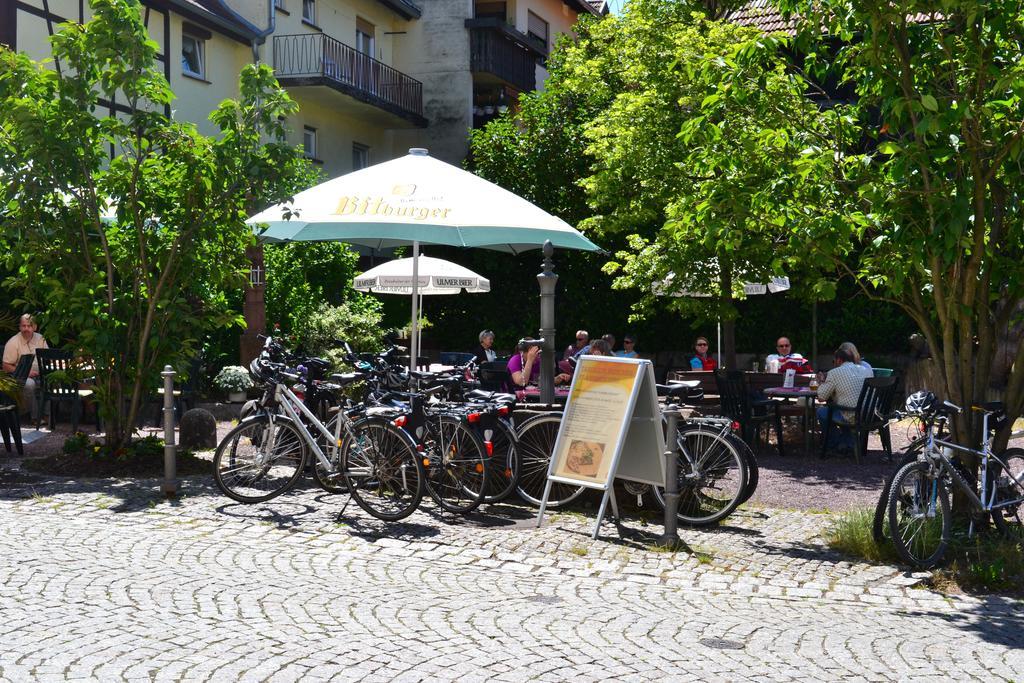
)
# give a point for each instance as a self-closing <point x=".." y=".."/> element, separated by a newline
<point x="611" y="428"/>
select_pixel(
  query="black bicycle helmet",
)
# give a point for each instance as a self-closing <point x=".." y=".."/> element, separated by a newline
<point x="920" y="402"/>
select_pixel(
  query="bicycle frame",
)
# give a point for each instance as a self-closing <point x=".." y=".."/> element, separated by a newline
<point x="288" y="401"/>
<point x="933" y="451"/>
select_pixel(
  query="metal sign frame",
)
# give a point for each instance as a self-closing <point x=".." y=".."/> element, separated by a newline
<point x="639" y="434"/>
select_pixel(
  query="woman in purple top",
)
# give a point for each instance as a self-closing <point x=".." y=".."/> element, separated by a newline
<point x="524" y="366"/>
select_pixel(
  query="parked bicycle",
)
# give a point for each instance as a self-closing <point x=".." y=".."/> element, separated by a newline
<point x="919" y="512"/>
<point x="717" y="471"/>
<point x="265" y="455"/>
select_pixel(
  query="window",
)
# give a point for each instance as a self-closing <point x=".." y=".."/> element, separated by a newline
<point x="488" y="9"/>
<point x="364" y="37"/>
<point x="309" y="142"/>
<point x="193" y="57"/>
<point x="537" y="29"/>
<point x="360" y="156"/>
<point x="309" y="10"/>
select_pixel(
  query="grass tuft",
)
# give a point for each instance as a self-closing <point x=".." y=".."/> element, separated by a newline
<point x="851" y="534"/>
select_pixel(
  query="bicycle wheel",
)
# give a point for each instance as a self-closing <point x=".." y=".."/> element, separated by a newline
<point x="1008" y="508"/>
<point x="504" y="463"/>
<point x="712" y="477"/>
<point x="536" y="438"/>
<point x="330" y="480"/>
<point x="259" y="459"/>
<point x="456" y="464"/>
<point x="753" y="471"/>
<point x="919" y="515"/>
<point x="879" y="528"/>
<point x="382" y="469"/>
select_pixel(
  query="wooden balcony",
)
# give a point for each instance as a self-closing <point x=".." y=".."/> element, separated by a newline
<point x="497" y="49"/>
<point x="315" y="59"/>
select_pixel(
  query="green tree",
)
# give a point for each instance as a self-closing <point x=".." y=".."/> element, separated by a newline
<point x="934" y="196"/>
<point x="693" y="143"/>
<point x="301" y="277"/>
<point x="126" y="230"/>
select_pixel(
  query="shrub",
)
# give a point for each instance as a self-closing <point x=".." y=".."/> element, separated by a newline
<point x="357" y="321"/>
<point x="233" y="378"/>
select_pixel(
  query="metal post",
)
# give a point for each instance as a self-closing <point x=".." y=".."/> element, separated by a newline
<point x="547" y="280"/>
<point x="670" y="538"/>
<point x="170" y="485"/>
<point x="414" y="347"/>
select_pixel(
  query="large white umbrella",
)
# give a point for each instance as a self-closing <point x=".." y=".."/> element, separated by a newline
<point x="412" y="200"/>
<point x="436" y="277"/>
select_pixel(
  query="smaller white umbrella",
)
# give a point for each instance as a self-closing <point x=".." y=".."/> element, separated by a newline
<point x="434" y="276"/>
<point x="775" y="285"/>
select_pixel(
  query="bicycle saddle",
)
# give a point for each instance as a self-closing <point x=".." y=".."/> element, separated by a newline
<point x="491" y="396"/>
<point x="684" y="390"/>
<point x="346" y="378"/>
<point x="991" y="407"/>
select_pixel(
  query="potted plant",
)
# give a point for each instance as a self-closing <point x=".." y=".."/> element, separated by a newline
<point x="235" y="380"/>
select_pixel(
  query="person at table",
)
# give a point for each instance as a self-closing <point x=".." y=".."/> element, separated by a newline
<point x="610" y="339"/>
<point x="582" y="339"/>
<point x="702" y="360"/>
<point x="524" y="366"/>
<point x="788" y="360"/>
<point x="628" y="347"/>
<point x="859" y="359"/>
<point x="26" y="341"/>
<point x="599" y="347"/>
<point x="485" y="353"/>
<point x="841" y="387"/>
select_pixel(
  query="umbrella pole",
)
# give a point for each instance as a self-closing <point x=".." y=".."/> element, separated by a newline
<point x="718" y="344"/>
<point x="414" y="330"/>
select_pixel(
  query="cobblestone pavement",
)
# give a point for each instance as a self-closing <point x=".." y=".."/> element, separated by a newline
<point x="106" y="580"/>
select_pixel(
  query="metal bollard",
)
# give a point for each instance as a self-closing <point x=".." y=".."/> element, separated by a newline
<point x="670" y="537"/>
<point x="170" y="484"/>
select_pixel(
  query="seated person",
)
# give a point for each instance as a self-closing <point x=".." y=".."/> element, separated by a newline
<point x="600" y="347"/>
<point x="582" y="339"/>
<point x="610" y="338"/>
<point x="524" y="366"/>
<point x="628" y="347"/>
<point x="786" y="359"/>
<point x="484" y="352"/>
<point x="842" y="386"/>
<point x="702" y="360"/>
<point x="26" y="341"/>
<point x="859" y="360"/>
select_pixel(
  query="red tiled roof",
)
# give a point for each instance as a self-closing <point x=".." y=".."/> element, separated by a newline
<point x="764" y="16"/>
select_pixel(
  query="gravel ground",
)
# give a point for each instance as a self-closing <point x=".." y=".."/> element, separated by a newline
<point x="799" y="481"/>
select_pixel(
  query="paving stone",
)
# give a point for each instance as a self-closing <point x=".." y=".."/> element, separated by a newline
<point x="115" y="583"/>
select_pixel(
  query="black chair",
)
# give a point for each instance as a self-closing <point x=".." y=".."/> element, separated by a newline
<point x="23" y="368"/>
<point x="422" y="362"/>
<point x="874" y="406"/>
<point x="60" y="390"/>
<point x="752" y="414"/>
<point x="494" y="376"/>
<point x="456" y="357"/>
<point x="10" y="423"/>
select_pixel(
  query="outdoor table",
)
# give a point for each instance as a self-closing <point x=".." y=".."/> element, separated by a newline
<point x="808" y="395"/>
<point x="531" y="394"/>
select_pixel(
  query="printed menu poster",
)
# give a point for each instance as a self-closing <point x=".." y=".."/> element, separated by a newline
<point x="594" y="418"/>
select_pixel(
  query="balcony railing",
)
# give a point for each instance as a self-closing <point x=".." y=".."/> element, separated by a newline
<point x="314" y="58"/>
<point x="494" y="50"/>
